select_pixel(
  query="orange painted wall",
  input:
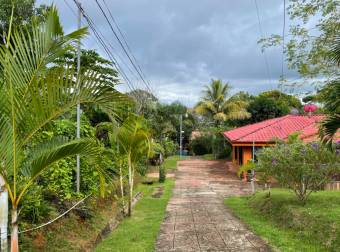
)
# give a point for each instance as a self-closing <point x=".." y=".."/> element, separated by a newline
<point x="247" y="155"/>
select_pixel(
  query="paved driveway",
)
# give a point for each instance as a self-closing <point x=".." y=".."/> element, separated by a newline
<point x="196" y="218"/>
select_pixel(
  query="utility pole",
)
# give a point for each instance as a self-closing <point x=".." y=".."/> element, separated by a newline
<point x="78" y="105"/>
<point x="252" y="171"/>
<point x="180" y="135"/>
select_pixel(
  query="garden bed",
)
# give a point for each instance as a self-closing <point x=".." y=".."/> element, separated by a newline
<point x="289" y="226"/>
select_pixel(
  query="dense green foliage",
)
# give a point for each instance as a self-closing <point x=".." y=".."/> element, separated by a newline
<point x="164" y="121"/>
<point x="288" y="226"/>
<point x="201" y="145"/>
<point x="36" y="97"/>
<point x="267" y="105"/>
<point x="24" y="10"/>
<point x="310" y="38"/>
<point x="211" y="141"/>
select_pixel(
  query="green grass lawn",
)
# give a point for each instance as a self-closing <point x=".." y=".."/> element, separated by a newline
<point x="289" y="226"/>
<point x="170" y="163"/>
<point x="208" y="157"/>
<point x="139" y="232"/>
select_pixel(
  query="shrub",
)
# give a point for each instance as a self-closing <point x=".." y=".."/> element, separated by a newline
<point x="35" y="209"/>
<point x="162" y="174"/>
<point x="219" y="147"/>
<point x="170" y="148"/>
<point x="201" y="145"/>
<point x="304" y="168"/>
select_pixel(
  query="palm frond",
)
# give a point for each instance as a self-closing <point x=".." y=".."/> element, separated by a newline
<point x="53" y="151"/>
<point x="329" y="127"/>
<point x="334" y="54"/>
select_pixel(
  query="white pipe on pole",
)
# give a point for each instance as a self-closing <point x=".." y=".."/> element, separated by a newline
<point x="78" y="105"/>
<point x="180" y="135"/>
<point x="252" y="171"/>
<point x="3" y="215"/>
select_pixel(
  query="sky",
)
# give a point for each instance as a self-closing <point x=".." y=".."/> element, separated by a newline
<point x="182" y="45"/>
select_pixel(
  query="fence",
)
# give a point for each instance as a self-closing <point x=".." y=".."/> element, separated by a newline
<point x="333" y="186"/>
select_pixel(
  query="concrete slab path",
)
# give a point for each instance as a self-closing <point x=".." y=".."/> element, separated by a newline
<point x="196" y="218"/>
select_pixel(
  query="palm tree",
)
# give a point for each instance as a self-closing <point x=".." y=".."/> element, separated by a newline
<point x="111" y="130"/>
<point x="331" y="97"/>
<point x="216" y="105"/>
<point x="32" y="95"/>
<point x="134" y="143"/>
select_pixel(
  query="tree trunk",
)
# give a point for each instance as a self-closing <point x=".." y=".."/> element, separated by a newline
<point x="3" y="215"/>
<point x="130" y="189"/>
<point x="122" y="187"/>
<point x="14" y="234"/>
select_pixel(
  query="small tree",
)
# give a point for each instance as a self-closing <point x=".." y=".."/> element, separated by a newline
<point x="134" y="143"/>
<point x="303" y="168"/>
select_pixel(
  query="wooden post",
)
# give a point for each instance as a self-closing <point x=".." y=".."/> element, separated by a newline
<point x="3" y="215"/>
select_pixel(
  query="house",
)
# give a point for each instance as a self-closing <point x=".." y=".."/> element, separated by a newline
<point x="247" y="139"/>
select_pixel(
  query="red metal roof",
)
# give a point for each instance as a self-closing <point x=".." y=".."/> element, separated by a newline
<point x="280" y="127"/>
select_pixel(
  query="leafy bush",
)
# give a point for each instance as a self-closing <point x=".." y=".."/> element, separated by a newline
<point x="162" y="174"/>
<point x="59" y="179"/>
<point x="201" y="145"/>
<point x="170" y="147"/>
<point x="142" y="168"/>
<point x="211" y="143"/>
<point x="219" y="147"/>
<point x="35" y="208"/>
<point x="304" y="168"/>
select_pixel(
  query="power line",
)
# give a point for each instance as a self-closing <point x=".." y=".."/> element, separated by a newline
<point x="123" y="47"/>
<point x="69" y="6"/>
<point x="99" y="37"/>
<point x="126" y="43"/>
<point x="262" y="35"/>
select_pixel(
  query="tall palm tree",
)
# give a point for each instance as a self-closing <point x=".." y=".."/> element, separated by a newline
<point x="134" y="142"/>
<point x="216" y="105"/>
<point x="32" y="95"/>
<point x="331" y="97"/>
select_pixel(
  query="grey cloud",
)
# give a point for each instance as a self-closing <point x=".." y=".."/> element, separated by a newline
<point x="181" y="45"/>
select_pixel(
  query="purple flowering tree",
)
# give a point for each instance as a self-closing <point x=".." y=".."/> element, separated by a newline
<point x="303" y="168"/>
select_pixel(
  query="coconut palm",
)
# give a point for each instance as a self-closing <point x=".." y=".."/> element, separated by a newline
<point x="134" y="142"/>
<point x="331" y="97"/>
<point x="32" y="94"/>
<point x="216" y="105"/>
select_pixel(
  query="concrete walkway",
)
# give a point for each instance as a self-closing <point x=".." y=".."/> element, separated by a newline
<point x="196" y="218"/>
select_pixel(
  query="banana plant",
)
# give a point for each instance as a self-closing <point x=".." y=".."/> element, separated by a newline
<point x="32" y="94"/>
<point x="134" y="143"/>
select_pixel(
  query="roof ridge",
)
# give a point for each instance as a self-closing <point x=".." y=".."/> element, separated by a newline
<point x="264" y="126"/>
